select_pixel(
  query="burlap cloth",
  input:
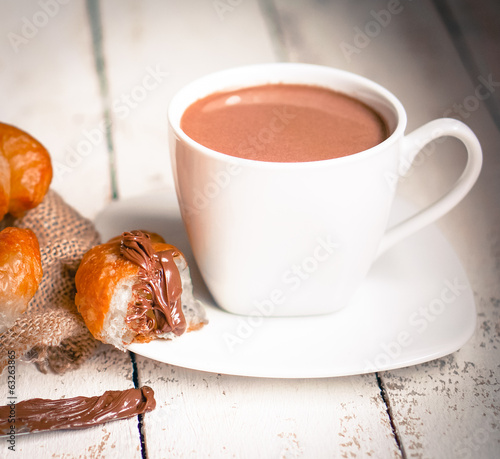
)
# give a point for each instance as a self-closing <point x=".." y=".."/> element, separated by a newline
<point x="51" y="332"/>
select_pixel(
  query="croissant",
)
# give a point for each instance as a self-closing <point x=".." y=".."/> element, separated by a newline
<point x="25" y="171"/>
<point x="136" y="288"/>
<point x="20" y="273"/>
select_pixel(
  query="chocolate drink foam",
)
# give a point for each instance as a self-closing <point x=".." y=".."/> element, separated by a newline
<point x="284" y="123"/>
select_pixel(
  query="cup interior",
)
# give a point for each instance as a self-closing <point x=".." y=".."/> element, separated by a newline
<point x="363" y="89"/>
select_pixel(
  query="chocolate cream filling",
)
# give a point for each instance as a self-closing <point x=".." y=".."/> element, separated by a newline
<point x="156" y="307"/>
<point x="40" y="414"/>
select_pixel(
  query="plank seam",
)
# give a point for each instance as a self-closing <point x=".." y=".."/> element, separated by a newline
<point x="474" y="66"/>
<point x="94" y="16"/>
<point x="140" y="417"/>
<point x="387" y="403"/>
<point x="273" y="24"/>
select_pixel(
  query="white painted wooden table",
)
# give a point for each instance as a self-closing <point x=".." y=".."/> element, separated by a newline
<point x="69" y="68"/>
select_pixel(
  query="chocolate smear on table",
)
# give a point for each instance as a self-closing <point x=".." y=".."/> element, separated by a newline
<point x="39" y="414"/>
<point x="157" y="301"/>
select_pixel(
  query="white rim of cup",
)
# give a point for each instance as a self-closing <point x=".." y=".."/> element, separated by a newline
<point x="175" y="112"/>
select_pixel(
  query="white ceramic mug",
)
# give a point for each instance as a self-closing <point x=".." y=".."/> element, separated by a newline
<point x="294" y="239"/>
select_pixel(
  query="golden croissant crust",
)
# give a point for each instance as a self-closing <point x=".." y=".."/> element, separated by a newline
<point x="25" y="171"/>
<point x="20" y="272"/>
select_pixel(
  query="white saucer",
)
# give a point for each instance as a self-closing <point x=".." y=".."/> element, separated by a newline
<point x="416" y="305"/>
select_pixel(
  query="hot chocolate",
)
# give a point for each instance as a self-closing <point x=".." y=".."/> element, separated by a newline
<point x="284" y="123"/>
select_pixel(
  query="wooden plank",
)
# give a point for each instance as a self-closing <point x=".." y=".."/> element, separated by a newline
<point x="463" y="421"/>
<point x="51" y="90"/>
<point x="108" y="369"/>
<point x="153" y="48"/>
<point x="476" y="35"/>
<point x="212" y="415"/>
<point x="201" y="414"/>
<point x="449" y="407"/>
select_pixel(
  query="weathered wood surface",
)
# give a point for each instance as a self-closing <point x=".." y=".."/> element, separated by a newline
<point x="213" y="415"/>
<point x="92" y="62"/>
<point x="151" y="50"/>
<point x="108" y="369"/>
<point x="50" y="88"/>
<point x="448" y="407"/>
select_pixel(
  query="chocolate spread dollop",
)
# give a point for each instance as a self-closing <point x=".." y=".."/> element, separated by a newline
<point x="39" y="414"/>
<point x="157" y="304"/>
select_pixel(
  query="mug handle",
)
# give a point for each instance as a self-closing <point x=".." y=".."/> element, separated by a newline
<point x="412" y="144"/>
